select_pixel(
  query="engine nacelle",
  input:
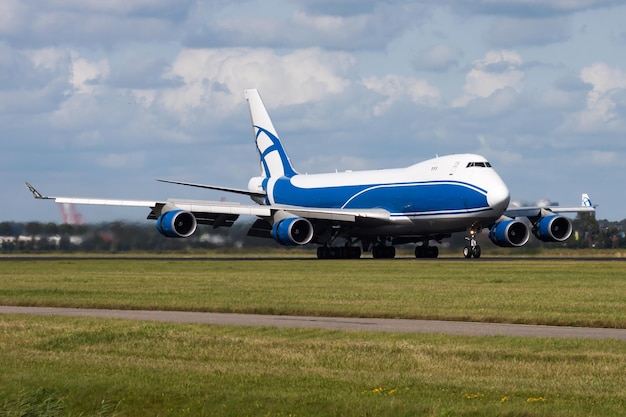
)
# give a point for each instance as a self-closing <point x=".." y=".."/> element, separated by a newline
<point x="552" y="228"/>
<point x="509" y="233"/>
<point x="293" y="231"/>
<point x="177" y="223"/>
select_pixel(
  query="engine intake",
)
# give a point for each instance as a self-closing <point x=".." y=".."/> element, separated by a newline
<point x="509" y="233"/>
<point x="177" y="223"/>
<point x="552" y="228"/>
<point x="293" y="231"/>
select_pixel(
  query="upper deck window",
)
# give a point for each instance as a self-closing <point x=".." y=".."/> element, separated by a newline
<point x="478" y="164"/>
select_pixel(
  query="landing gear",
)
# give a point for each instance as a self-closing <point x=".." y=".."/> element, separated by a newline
<point x="425" y="251"/>
<point x="338" y="252"/>
<point x="383" y="252"/>
<point x="473" y="248"/>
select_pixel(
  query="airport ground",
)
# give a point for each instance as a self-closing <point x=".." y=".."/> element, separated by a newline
<point x="122" y="367"/>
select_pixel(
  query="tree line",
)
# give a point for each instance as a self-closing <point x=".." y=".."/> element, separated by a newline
<point x="120" y="236"/>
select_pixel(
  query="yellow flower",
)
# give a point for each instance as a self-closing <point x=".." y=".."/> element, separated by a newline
<point x="535" y="399"/>
<point x="474" y="396"/>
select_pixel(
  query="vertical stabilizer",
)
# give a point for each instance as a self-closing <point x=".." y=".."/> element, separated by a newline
<point x="274" y="159"/>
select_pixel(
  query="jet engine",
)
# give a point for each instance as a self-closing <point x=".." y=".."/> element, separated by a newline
<point x="176" y="223"/>
<point x="293" y="231"/>
<point x="509" y="233"/>
<point x="552" y="228"/>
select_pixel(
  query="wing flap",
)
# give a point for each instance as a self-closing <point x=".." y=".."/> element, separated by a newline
<point x="104" y="202"/>
<point x="339" y="215"/>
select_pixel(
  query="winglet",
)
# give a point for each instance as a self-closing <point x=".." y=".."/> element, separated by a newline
<point x="36" y="193"/>
<point x="586" y="202"/>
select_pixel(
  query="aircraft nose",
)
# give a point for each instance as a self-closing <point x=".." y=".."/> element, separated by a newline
<point x="498" y="196"/>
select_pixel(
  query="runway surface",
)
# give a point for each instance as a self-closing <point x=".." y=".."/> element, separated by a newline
<point x="333" y="323"/>
<point x="312" y="257"/>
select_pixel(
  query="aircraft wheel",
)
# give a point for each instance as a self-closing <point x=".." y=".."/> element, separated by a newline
<point x="384" y="252"/>
<point x="354" y="252"/>
<point x="426" y="251"/>
<point x="467" y="252"/>
<point x="476" y="252"/>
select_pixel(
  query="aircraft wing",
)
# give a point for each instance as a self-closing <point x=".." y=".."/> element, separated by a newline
<point x="539" y="211"/>
<point x="214" y="213"/>
<point x="219" y="213"/>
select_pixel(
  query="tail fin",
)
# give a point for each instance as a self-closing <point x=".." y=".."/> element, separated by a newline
<point x="586" y="201"/>
<point x="274" y="159"/>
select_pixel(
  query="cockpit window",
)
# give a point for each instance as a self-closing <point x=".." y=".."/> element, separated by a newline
<point x="478" y="164"/>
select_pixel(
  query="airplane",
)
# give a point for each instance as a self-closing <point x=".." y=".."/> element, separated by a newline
<point x="347" y="213"/>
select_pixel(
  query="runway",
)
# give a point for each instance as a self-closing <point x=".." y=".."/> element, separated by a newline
<point x="333" y="323"/>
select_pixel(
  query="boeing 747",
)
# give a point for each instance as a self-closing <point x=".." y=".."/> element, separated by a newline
<point x="346" y="213"/>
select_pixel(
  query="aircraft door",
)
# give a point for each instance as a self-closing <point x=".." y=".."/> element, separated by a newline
<point x="454" y="167"/>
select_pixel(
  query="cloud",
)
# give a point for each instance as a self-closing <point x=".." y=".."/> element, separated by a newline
<point x="339" y="7"/>
<point x="370" y="26"/>
<point x="90" y="22"/>
<point x="437" y="58"/>
<point x="394" y="88"/>
<point x="604" y="105"/>
<point x="497" y="70"/>
<point x="88" y="88"/>
<point x="214" y="79"/>
<point x="508" y="32"/>
<point x="530" y="8"/>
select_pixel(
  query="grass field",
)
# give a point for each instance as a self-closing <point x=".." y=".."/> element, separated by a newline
<point x="54" y="366"/>
<point x="563" y="293"/>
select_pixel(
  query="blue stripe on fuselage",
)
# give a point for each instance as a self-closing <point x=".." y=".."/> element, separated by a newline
<point x="413" y="199"/>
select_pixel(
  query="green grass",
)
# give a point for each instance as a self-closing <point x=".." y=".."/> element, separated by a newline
<point x="116" y="367"/>
<point x="59" y="366"/>
<point x="523" y="291"/>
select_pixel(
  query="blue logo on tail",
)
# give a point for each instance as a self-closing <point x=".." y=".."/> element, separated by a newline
<point x="274" y="159"/>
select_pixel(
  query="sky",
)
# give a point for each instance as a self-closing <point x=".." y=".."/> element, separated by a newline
<point x="98" y="99"/>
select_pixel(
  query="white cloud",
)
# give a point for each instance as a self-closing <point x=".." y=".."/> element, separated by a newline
<point x="440" y="57"/>
<point x="394" y="88"/>
<point x="497" y="70"/>
<point x="86" y="75"/>
<point x="214" y="79"/>
<point x="600" y="113"/>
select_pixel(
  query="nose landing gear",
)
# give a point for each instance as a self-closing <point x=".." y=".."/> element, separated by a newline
<point x="472" y="249"/>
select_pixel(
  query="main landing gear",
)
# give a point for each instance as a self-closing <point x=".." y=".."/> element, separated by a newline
<point x="426" y="251"/>
<point x="338" y="252"/>
<point x="383" y="252"/>
<point x="472" y="249"/>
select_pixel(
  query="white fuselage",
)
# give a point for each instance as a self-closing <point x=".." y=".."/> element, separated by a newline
<point x="440" y="195"/>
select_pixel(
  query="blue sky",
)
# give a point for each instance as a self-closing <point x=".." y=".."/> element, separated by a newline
<point x="100" y="98"/>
